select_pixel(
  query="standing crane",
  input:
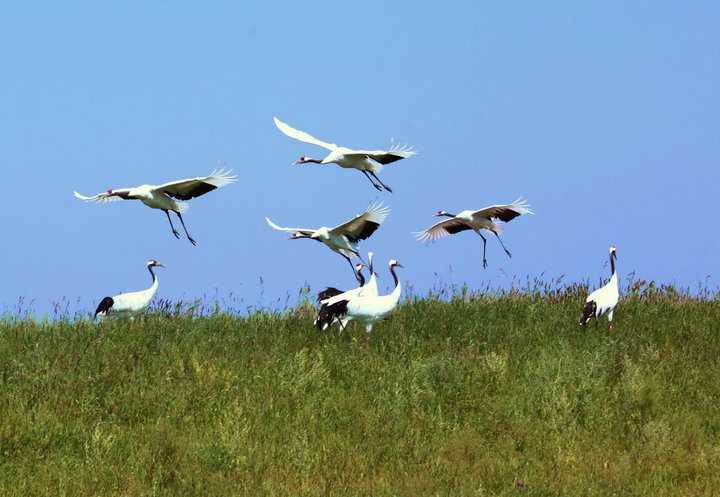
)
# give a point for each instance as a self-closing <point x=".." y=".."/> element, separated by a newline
<point x="369" y="309"/>
<point x="331" y="295"/>
<point x="344" y="238"/>
<point x="129" y="305"/>
<point x="329" y="312"/>
<point x="476" y="221"/>
<point x="161" y="196"/>
<point x="603" y="300"/>
<point x="369" y="162"/>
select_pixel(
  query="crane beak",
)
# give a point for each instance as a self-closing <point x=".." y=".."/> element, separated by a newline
<point x="296" y="163"/>
<point x="160" y="265"/>
<point x="397" y="264"/>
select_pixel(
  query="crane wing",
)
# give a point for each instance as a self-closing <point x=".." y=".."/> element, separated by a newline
<point x="301" y="135"/>
<point x="301" y="231"/>
<point x="387" y="156"/>
<point x="440" y="230"/>
<point x="186" y="189"/>
<point x="364" y="225"/>
<point x="120" y="194"/>
<point x="505" y="212"/>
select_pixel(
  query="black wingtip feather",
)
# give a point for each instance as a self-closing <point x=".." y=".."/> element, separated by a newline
<point x="368" y="229"/>
<point x="588" y="311"/>
<point x="201" y="189"/>
<point x="327" y="293"/>
<point x="104" y="306"/>
<point x="328" y="313"/>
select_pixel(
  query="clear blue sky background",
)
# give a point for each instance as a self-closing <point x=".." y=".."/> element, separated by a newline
<point x="604" y="115"/>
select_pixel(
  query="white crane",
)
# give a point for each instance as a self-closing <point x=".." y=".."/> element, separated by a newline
<point x="331" y="295"/>
<point x="476" y="221"/>
<point x="369" y="162"/>
<point x="344" y="238"/>
<point x="369" y="309"/>
<point x="603" y="300"/>
<point x="161" y="196"/>
<point x="129" y="305"/>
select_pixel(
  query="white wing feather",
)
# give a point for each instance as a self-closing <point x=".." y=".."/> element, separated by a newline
<point x="301" y="135"/>
<point x="99" y="198"/>
<point x="293" y="230"/>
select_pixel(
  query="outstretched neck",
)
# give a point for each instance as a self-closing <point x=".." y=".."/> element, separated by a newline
<point x="315" y="161"/>
<point x="612" y="264"/>
<point x="154" y="278"/>
<point x="398" y="288"/>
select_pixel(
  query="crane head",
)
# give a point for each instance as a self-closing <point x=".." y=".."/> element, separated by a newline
<point x="612" y="252"/>
<point x="442" y="213"/>
<point x="394" y="263"/>
<point x="305" y="159"/>
<point x="154" y="263"/>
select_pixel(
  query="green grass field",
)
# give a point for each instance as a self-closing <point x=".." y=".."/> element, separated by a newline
<point x="488" y="395"/>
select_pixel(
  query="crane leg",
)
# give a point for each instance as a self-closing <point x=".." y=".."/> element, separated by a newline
<point x="186" y="231"/>
<point x="484" y="248"/>
<point x="371" y="181"/>
<point x="379" y="181"/>
<point x="503" y="245"/>
<point x="175" y="232"/>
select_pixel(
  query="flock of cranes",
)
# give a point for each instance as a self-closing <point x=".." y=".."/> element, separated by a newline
<point x="362" y="304"/>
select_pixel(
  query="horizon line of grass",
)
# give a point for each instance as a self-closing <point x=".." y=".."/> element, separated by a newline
<point x="530" y="288"/>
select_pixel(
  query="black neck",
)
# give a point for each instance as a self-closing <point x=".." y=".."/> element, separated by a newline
<point x="151" y="272"/>
<point x="395" y="277"/>
<point x="612" y="262"/>
<point x="361" y="277"/>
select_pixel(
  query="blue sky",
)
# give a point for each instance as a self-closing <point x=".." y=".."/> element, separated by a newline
<point x="603" y="115"/>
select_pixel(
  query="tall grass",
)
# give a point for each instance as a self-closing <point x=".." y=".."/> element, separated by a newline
<point x="464" y="392"/>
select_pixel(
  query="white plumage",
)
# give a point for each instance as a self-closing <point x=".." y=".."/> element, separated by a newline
<point x="344" y="238"/>
<point x="476" y="221"/>
<point x="162" y="196"/>
<point x="331" y="296"/>
<point x="129" y="305"/>
<point x="603" y="300"/>
<point x="369" y="309"/>
<point x="369" y="162"/>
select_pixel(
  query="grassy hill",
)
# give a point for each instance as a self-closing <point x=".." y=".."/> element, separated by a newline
<point x="474" y="395"/>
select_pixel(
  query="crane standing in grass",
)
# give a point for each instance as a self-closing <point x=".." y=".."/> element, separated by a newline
<point x="369" y="309"/>
<point x="476" y="221"/>
<point x="603" y="300"/>
<point x="129" y="305"/>
<point x="344" y="238"/>
<point x="328" y="297"/>
<point x="331" y="295"/>
<point x="161" y="196"/>
<point x="369" y="162"/>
